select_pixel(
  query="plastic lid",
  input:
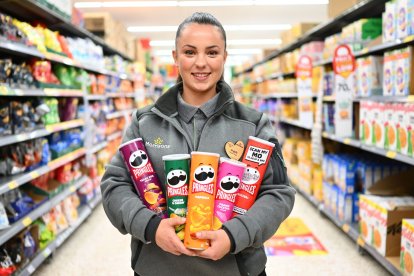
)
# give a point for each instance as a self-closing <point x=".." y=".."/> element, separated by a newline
<point x="234" y="162"/>
<point x="178" y="156"/>
<point x="262" y="141"/>
<point x="205" y="153"/>
<point x="129" y="142"/>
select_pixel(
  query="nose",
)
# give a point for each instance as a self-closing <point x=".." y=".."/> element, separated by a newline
<point x="201" y="60"/>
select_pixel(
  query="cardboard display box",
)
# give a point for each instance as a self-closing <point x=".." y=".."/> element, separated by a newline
<point x="407" y="247"/>
<point x="336" y="7"/>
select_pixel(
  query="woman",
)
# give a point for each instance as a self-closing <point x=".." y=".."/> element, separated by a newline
<point x="198" y="114"/>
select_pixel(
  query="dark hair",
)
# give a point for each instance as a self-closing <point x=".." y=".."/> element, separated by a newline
<point x="200" y="18"/>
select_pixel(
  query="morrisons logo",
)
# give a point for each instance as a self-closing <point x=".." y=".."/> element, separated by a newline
<point x="158" y="143"/>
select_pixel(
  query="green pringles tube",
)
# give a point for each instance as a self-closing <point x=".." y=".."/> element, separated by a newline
<point x="176" y="168"/>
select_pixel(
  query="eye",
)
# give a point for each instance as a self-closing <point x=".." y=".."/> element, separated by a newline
<point x="189" y="52"/>
<point x="212" y="53"/>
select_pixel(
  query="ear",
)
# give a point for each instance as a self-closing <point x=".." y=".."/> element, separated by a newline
<point x="174" y="55"/>
<point x="225" y="55"/>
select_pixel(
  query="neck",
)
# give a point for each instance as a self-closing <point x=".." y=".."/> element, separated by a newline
<point x="197" y="98"/>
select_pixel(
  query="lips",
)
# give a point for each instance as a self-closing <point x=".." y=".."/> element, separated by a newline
<point x="201" y="76"/>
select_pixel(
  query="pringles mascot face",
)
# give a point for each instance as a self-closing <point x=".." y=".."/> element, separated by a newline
<point x="230" y="184"/>
<point x="251" y="176"/>
<point x="138" y="159"/>
<point x="204" y="174"/>
<point x="176" y="178"/>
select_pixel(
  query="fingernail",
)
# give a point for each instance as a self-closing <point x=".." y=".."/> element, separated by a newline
<point x="193" y="235"/>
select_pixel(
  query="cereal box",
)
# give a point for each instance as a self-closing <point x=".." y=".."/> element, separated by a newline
<point x="407" y="247"/>
<point x="388" y="79"/>
<point x="403" y="66"/>
<point x="378" y="125"/>
<point x="369" y="74"/>
<point x="402" y="22"/>
<point x="366" y="209"/>
<point x="389" y="22"/>
<point x="390" y="141"/>
<point x="345" y="206"/>
<point x="402" y="135"/>
<point x="410" y="128"/>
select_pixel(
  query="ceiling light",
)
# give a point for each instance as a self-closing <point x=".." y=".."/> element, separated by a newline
<point x="228" y="28"/>
<point x="124" y="4"/>
<point x="151" y="29"/>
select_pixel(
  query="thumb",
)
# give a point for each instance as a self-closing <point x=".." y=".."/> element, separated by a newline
<point x="176" y="221"/>
<point x="208" y="235"/>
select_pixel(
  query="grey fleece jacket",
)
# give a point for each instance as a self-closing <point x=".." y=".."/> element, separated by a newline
<point x="159" y="127"/>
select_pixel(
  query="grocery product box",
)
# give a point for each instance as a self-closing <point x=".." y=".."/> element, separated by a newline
<point x="300" y="29"/>
<point x="407" y="247"/>
<point x="389" y="22"/>
<point x="346" y="178"/>
<point x="402" y="23"/>
<point x="390" y="126"/>
<point x="327" y="191"/>
<point x="317" y="184"/>
<point x="402" y="132"/>
<point x="304" y="150"/>
<point x="366" y="115"/>
<point x="336" y="7"/>
<point x="99" y="22"/>
<point x="409" y="123"/>
<point x="347" y="208"/>
<point x="378" y="130"/>
<point x="385" y="214"/>
<point x="389" y="74"/>
<point x="403" y="83"/>
<point x="369" y="75"/>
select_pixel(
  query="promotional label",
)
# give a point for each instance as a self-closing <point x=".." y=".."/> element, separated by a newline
<point x="304" y="84"/>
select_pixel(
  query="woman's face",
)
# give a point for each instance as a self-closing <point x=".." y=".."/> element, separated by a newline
<point x="200" y="57"/>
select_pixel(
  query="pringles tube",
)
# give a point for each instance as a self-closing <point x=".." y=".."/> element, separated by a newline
<point x="256" y="157"/>
<point x="143" y="176"/>
<point x="229" y="177"/>
<point x="177" y="169"/>
<point x="202" y="188"/>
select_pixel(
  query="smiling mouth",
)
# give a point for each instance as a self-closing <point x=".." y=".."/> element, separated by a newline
<point x="201" y="76"/>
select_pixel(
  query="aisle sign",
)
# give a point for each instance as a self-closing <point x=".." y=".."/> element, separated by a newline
<point x="344" y="86"/>
<point x="304" y="85"/>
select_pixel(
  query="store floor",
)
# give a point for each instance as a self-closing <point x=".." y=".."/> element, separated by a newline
<point x="97" y="248"/>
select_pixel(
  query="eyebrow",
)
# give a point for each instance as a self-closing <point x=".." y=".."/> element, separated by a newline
<point x="209" y="47"/>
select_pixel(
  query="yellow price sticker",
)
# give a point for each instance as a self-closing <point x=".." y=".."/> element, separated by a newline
<point x="12" y="185"/>
<point x="360" y="242"/>
<point x="34" y="174"/>
<point x="347" y="141"/>
<point x="410" y="98"/>
<point x="47" y="252"/>
<point x="391" y="154"/>
<point x="408" y="39"/>
<point x="3" y="90"/>
<point x="72" y="189"/>
<point x="27" y="221"/>
<point x="364" y="51"/>
<point x="346" y="228"/>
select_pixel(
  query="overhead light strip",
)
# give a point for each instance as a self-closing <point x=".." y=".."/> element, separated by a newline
<point x="158" y="43"/>
<point x="228" y="28"/>
<point x="143" y="4"/>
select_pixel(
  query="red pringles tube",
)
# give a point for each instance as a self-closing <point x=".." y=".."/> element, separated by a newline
<point x="143" y="176"/>
<point x="256" y="157"/>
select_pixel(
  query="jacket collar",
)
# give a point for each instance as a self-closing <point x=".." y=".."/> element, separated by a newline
<point x="167" y="103"/>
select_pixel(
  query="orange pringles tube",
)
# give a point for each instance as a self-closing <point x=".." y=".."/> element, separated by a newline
<point x="256" y="157"/>
<point x="201" y="193"/>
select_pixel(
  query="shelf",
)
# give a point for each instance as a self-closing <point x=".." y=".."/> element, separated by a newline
<point x="12" y="182"/>
<point x="96" y="97"/>
<point x="16" y="227"/>
<point x="295" y="123"/>
<point x="98" y="147"/>
<point x="83" y="213"/>
<point x="351" y="230"/>
<point x="95" y="201"/>
<point x="30" y="10"/>
<point x="120" y="95"/>
<point x="114" y="136"/>
<point x="278" y="95"/>
<point x="379" y="151"/>
<point x="12" y="139"/>
<point x="118" y="114"/>
<point x="35" y="92"/>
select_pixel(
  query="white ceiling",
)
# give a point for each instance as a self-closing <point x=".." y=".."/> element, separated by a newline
<point x="230" y="15"/>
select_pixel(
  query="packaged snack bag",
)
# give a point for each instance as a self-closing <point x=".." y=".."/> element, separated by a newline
<point x="143" y="176"/>
<point x="202" y="189"/>
<point x="256" y="156"/>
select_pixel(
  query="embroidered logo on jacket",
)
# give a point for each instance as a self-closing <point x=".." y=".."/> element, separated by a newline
<point x="158" y="143"/>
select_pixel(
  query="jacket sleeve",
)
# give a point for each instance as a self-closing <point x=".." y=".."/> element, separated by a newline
<point x="120" y="200"/>
<point x="273" y="204"/>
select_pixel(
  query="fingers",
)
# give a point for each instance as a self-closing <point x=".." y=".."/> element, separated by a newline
<point x="206" y="235"/>
<point x="176" y="221"/>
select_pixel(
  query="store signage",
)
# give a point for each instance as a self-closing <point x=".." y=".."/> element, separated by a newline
<point x="304" y="84"/>
<point x="344" y="89"/>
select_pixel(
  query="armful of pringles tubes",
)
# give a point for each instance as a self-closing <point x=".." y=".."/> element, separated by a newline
<point x="204" y="188"/>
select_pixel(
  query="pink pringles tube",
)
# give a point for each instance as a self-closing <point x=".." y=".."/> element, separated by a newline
<point x="144" y="177"/>
<point x="256" y="157"/>
<point x="229" y="177"/>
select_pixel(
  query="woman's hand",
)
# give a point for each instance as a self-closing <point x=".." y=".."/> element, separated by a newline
<point x="167" y="239"/>
<point x="219" y="244"/>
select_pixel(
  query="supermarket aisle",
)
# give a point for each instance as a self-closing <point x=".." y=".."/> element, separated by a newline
<point x="98" y="249"/>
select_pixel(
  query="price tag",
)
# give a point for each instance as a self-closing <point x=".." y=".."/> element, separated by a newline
<point x="410" y="98"/>
<point x="27" y="221"/>
<point x="72" y="189"/>
<point x="391" y="154"/>
<point x="360" y="242"/>
<point x="408" y="39"/>
<point x="346" y="228"/>
<point x="20" y="137"/>
<point x="34" y="174"/>
<point x="47" y="252"/>
<point x="12" y="185"/>
<point x="3" y="90"/>
<point x="347" y="141"/>
<point x="30" y="269"/>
